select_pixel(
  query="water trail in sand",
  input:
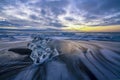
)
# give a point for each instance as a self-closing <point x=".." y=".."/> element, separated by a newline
<point x="72" y="60"/>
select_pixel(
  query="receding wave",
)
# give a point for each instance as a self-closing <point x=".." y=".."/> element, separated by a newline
<point x="62" y="60"/>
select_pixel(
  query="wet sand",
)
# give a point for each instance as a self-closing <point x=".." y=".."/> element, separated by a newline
<point x="79" y="60"/>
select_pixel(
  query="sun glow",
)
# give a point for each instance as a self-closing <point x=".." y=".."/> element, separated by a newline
<point x="93" y="29"/>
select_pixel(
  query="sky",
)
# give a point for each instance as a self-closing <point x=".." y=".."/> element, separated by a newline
<point x="69" y="15"/>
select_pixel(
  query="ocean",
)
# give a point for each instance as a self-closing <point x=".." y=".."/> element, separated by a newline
<point x="22" y="35"/>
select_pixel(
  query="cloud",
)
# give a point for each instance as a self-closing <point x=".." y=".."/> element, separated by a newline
<point x="34" y="13"/>
<point x="6" y="23"/>
<point x="60" y="13"/>
<point x="99" y="12"/>
<point x="94" y="12"/>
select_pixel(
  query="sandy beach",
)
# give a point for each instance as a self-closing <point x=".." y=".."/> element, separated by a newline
<point x="79" y="60"/>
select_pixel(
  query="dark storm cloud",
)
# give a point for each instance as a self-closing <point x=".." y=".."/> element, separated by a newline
<point x="98" y="6"/>
<point x="55" y="6"/>
<point x="100" y="10"/>
<point x="69" y="19"/>
<point x="55" y="24"/>
<point x="55" y="13"/>
<point x="40" y="12"/>
<point x="6" y="23"/>
<point x="111" y="4"/>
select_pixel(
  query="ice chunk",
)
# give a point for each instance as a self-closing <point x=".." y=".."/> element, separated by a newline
<point x="41" y="51"/>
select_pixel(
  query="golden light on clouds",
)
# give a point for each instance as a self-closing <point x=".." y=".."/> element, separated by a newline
<point x="93" y="29"/>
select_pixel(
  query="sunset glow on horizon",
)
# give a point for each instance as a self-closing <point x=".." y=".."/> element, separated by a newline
<point x="93" y="29"/>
